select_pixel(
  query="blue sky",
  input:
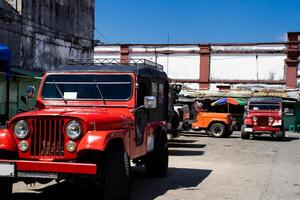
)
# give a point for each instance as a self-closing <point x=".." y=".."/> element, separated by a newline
<point x="195" y="21"/>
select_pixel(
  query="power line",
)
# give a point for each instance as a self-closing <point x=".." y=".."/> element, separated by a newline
<point x="103" y="36"/>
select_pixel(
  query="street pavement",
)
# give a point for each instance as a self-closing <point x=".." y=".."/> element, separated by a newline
<point x="203" y="167"/>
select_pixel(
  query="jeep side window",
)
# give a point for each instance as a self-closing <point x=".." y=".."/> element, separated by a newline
<point x="263" y="106"/>
<point x="143" y="91"/>
<point x="154" y="89"/>
<point x="161" y="94"/>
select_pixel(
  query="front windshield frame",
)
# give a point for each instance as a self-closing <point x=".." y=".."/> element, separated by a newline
<point x="87" y="99"/>
<point x="264" y="104"/>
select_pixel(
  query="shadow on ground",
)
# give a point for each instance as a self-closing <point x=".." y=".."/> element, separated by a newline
<point x="174" y="152"/>
<point x="269" y="138"/>
<point x="143" y="187"/>
<point x="59" y="191"/>
<point x="185" y="144"/>
<point x="203" y="134"/>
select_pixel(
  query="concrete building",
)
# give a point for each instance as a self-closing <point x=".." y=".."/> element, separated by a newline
<point x="218" y="66"/>
<point x="41" y="35"/>
<point x="44" y="34"/>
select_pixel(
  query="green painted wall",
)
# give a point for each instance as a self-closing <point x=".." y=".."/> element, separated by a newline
<point x="291" y="122"/>
<point x="18" y="86"/>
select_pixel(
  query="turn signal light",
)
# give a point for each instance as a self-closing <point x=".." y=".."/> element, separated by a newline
<point x="23" y="145"/>
<point x="71" y="146"/>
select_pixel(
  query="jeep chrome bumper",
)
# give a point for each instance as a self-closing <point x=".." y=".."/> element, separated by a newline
<point x="43" y="169"/>
<point x="262" y="129"/>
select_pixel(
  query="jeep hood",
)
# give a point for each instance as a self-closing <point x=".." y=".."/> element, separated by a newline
<point x="100" y="118"/>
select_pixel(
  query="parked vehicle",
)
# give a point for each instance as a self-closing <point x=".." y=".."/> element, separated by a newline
<point x="263" y="115"/>
<point x="215" y="124"/>
<point x="179" y="113"/>
<point x="90" y="120"/>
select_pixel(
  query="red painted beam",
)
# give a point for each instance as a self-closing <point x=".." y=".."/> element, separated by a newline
<point x="248" y="81"/>
<point x="204" y="66"/>
<point x="291" y="73"/>
<point x="185" y="80"/>
<point x="292" y="61"/>
<point x="124" y="53"/>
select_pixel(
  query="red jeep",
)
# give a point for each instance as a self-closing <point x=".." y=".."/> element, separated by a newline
<point x="263" y="115"/>
<point x="91" y="118"/>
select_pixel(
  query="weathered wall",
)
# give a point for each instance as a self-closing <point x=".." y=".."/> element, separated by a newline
<point x="47" y="33"/>
<point x="247" y="67"/>
<point x="9" y="30"/>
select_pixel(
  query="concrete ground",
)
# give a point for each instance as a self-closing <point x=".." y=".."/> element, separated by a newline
<point x="203" y="167"/>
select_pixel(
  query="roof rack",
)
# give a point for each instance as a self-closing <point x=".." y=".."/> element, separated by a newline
<point x="111" y="61"/>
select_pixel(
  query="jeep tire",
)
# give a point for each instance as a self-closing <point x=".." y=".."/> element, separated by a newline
<point x="244" y="135"/>
<point x="280" y="135"/>
<point x="5" y="189"/>
<point x="114" y="172"/>
<point x="217" y="130"/>
<point x="229" y="132"/>
<point x="157" y="161"/>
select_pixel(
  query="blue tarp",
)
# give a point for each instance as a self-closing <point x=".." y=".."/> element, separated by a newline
<point x="5" y="57"/>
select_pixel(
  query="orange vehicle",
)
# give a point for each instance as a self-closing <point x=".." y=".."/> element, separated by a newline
<point x="215" y="124"/>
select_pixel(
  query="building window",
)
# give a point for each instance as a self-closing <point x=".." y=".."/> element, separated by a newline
<point x="223" y="87"/>
<point x="16" y="4"/>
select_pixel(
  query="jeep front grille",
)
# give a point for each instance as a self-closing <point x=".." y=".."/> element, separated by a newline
<point x="47" y="138"/>
<point x="262" y="121"/>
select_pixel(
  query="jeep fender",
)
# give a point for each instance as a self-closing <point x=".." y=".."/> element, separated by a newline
<point x="99" y="140"/>
<point x="7" y="142"/>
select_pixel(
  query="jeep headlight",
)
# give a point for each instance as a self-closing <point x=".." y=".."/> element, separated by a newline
<point x="271" y="119"/>
<point x="73" y="129"/>
<point x="21" y="129"/>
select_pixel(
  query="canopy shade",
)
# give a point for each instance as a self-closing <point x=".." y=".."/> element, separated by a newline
<point x="233" y="101"/>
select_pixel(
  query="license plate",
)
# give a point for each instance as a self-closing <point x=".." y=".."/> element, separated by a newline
<point x="248" y="129"/>
<point x="7" y="169"/>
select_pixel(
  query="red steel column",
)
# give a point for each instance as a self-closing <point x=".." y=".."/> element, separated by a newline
<point x="292" y="60"/>
<point x="124" y="53"/>
<point x="204" y="66"/>
<point x="291" y="74"/>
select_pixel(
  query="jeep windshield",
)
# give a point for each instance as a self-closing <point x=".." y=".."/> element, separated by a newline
<point x="264" y="106"/>
<point x="88" y="87"/>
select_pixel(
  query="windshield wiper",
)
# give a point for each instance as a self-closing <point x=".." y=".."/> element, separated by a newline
<point x="60" y="93"/>
<point x="101" y="95"/>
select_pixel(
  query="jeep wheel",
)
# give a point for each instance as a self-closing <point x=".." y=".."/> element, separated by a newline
<point x="114" y="172"/>
<point x="280" y="135"/>
<point x="244" y="135"/>
<point x="228" y="133"/>
<point x="5" y="189"/>
<point x="157" y="161"/>
<point x="218" y="130"/>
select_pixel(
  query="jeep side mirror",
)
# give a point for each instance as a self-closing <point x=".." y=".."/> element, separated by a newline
<point x="30" y="92"/>
<point x="150" y="102"/>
